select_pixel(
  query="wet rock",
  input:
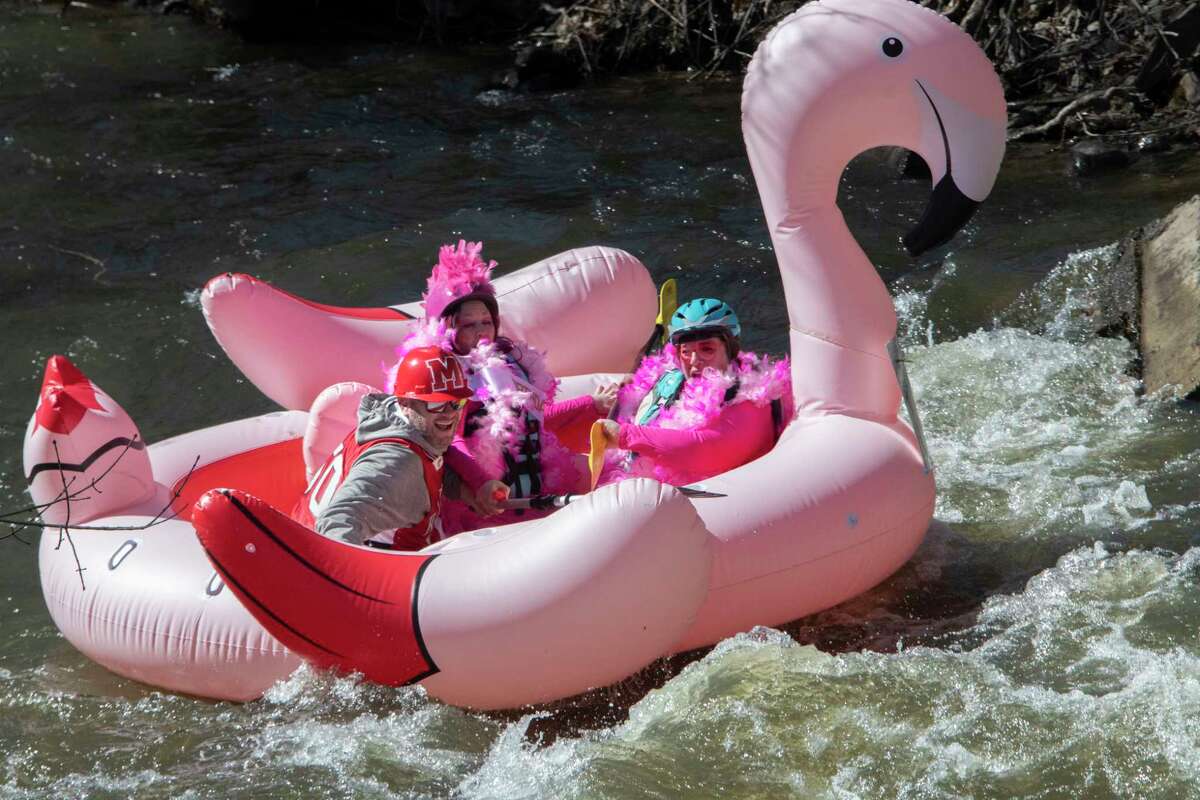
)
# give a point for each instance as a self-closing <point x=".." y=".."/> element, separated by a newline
<point x="1153" y="143"/>
<point x="1170" y="296"/>
<point x="1189" y="87"/>
<point x="1150" y="296"/>
<point x="1116" y="310"/>
<point x="1091" y="156"/>
<point x="539" y="68"/>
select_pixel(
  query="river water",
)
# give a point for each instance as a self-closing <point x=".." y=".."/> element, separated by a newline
<point x="1042" y="643"/>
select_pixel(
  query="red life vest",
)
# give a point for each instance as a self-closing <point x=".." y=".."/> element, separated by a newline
<point x="329" y="477"/>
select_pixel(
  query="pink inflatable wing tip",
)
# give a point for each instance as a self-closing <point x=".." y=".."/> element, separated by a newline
<point x="227" y="278"/>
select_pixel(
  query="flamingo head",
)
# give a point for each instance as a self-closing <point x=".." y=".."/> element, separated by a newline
<point x="842" y="76"/>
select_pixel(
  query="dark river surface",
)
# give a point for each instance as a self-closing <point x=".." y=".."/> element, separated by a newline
<point x="1042" y="643"/>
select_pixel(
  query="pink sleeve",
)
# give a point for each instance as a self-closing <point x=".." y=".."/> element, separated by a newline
<point x="736" y="436"/>
<point x="570" y="421"/>
<point x="458" y="455"/>
<point x="576" y="411"/>
<point x="460" y="460"/>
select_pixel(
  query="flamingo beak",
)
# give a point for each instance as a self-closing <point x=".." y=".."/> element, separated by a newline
<point x="964" y="149"/>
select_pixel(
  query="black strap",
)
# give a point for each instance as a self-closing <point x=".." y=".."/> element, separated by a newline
<point x="732" y="391"/>
<point x="530" y="464"/>
<point x="777" y="416"/>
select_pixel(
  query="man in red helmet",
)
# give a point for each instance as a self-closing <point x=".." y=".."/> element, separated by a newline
<point x="383" y="485"/>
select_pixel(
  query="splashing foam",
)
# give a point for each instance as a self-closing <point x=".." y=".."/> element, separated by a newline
<point x="1030" y="432"/>
<point x="1078" y="679"/>
<point x="1063" y="304"/>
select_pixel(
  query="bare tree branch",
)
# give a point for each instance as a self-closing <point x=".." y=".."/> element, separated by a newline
<point x="74" y="496"/>
<point x="160" y="517"/>
<point x="16" y="525"/>
<point x="1091" y="98"/>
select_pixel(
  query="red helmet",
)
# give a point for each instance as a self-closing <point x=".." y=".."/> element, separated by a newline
<point x="431" y="374"/>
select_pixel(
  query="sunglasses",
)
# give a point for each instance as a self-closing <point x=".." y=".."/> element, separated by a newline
<point x="446" y="405"/>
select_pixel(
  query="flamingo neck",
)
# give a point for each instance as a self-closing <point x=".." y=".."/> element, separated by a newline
<point x="840" y="316"/>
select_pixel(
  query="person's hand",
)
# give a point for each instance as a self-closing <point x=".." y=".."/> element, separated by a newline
<point x="605" y="397"/>
<point x="489" y="500"/>
<point x="612" y="431"/>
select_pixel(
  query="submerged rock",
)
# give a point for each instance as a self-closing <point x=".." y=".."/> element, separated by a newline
<point x="1095" y="155"/>
<point x="1153" y="143"/>
<point x="1169" y="264"/>
<point x="538" y="68"/>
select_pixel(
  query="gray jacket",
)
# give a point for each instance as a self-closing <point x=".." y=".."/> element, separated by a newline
<point x="385" y="488"/>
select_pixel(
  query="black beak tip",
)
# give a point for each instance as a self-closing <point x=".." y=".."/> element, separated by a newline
<point x="948" y="211"/>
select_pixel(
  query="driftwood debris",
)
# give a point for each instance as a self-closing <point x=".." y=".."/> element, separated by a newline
<point x="1070" y="67"/>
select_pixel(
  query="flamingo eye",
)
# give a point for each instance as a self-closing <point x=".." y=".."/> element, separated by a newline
<point x="892" y="47"/>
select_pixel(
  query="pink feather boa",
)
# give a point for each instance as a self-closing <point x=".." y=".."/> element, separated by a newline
<point x="760" y="380"/>
<point x="502" y="425"/>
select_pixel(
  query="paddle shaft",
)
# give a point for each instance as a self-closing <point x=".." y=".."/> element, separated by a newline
<point x="666" y="307"/>
<point x="540" y="502"/>
<point x="545" y="501"/>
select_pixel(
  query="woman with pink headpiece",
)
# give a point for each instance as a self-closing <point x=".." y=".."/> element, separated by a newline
<point x="506" y="444"/>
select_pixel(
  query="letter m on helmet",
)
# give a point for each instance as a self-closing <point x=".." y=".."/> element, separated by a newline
<point x="444" y="375"/>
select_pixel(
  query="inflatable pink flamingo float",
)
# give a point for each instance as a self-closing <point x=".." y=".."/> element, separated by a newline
<point x="543" y="609"/>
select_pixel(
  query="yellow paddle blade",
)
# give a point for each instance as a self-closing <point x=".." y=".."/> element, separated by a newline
<point x="597" y="446"/>
<point x="668" y="301"/>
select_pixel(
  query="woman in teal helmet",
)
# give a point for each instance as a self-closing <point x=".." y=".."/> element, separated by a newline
<point x="701" y="407"/>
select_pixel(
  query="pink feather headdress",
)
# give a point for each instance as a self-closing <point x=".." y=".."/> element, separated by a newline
<point x="459" y="273"/>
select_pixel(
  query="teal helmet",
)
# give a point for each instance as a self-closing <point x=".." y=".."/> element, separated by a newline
<point x="704" y="317"/>
<point x="702" y="314"/>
